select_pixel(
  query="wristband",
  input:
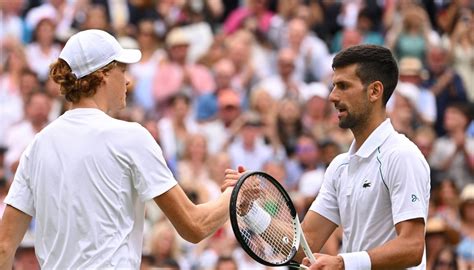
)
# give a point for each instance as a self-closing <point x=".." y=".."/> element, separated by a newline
<point x="356" y="260"/>
<point x="257" y="218"/>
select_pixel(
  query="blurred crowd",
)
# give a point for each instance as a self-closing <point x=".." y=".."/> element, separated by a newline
<point x="245" y="82"/>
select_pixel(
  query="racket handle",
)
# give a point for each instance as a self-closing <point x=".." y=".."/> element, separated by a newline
<point x="303" y="266"/>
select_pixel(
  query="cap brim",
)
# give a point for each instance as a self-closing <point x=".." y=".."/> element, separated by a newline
<point x="129" y="56"/>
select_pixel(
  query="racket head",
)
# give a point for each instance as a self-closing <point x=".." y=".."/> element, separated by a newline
<point x="268" y="248"/>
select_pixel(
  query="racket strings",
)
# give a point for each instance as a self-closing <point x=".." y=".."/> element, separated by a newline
<point x="276" y="243"/>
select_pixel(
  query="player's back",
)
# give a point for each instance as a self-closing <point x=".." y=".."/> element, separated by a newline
<point x="85" y="202"/>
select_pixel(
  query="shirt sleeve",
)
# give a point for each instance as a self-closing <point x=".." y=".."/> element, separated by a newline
<point x="409" y="184"/>
<point x="20" y="194"/>
<point x="150" y="173"/>
<point x="326" y="203"/>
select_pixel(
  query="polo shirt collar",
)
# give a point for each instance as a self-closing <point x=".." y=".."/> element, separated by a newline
<point x="375" y="139"/>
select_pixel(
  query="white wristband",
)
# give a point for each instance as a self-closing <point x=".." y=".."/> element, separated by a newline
<point x="257" y="218"/>
<point x="356" y="260"/>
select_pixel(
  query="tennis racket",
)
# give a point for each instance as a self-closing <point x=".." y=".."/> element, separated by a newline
<point x="265" y="222"/>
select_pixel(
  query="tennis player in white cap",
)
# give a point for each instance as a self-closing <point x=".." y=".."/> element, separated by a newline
<point x="86" y="176"/>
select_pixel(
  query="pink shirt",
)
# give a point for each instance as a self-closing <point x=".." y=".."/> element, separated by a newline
<point x="168" y="80"/>
<point x="236" y="18"/>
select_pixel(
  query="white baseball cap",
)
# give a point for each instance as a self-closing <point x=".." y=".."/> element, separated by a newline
<point x="89" y="50"/>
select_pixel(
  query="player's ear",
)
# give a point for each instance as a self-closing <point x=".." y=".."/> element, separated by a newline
<point x="375" y="91"/>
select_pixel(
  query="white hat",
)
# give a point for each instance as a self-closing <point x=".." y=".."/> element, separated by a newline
<point x="177" y="36"/>
<point x="37" y="14"/>
<point x="89" y="50"/>
<point x="315" y="89"/>
<point x="408" y="91"/>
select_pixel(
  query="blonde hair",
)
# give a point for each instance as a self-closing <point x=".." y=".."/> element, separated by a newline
<point x="74" y="89"/>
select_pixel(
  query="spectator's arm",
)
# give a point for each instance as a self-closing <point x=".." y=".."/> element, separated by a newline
<point x="216" y="8"/>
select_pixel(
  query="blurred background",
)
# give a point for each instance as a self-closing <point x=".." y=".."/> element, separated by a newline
<point x="245" y="82"/>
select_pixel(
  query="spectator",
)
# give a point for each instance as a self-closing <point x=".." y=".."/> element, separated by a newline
<point x="329" y="150"/>
<point x="438" y="236"/>
<point x="117" y="14"/>
<point x="12" y="22"/>
<point x="15" y="63"/>
<point x="413" y="36"/>
<point x="265" y="106"/>
<point x="312" y="176"/>
<point x="227" y="123"/>
<point x="12" y="103"/>
<point x="255" y="12"/>
<point x="215" y="52"/>
<point x="224" y="76"/>
<point x="193" y="168"/>
<point x="251" y="62"/>
<point x="444" y="83"/>
<point x="164" y="244"/>
<point x="174" y="128"/>
<point x="193" y="165"/>
<point x="58" y="103"/>
<point x="289" y="124"/>
<point x="447" y="260"/>
<point x="226" y="263"/>
<point x="96" y="18"/>
<point x="217" y="164"/>
<point x="316" y="110"/>
<point x="461" y="51"/>
<point x="63" y="11"/>
<point x="446" y="198"/>
<point x="310" y="51"/>
<point x="284" y="83"/>
<point x="424" y="138"/>
<point x="43" y="49"/>
<point x="465" y="248"/>
<point x="453" y="154"/>
<point x="177" y="75"/>
<point x="279" y="21"/>
<point x="403" y="113"/>
<point x="365" y="26"/>
<point x="412" y="71"/>
<point x="143" y="71"/>
<point x="349" y="37"/>
<point x="248" y="147"/>
<point x="37" y="109"/>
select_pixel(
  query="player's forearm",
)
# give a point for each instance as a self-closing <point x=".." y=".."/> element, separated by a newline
<point x="212" y="215"/>
<point x="6" y="259"/>
<point x="397" y="253"/>
<point x="13" y="226"/>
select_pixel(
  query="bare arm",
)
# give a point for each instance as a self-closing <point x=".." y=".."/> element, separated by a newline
<point x="12" y="229"/>
<point x="196" y="222"/>
<point x="405" y="250"/>
<point x="317" y="230"/>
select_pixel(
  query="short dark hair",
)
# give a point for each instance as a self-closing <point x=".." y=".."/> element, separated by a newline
<point x="374" y="63"/>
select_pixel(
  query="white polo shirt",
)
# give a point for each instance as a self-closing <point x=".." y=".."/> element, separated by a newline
<point x="368" y="191"/>
<point x="85" y="179"/>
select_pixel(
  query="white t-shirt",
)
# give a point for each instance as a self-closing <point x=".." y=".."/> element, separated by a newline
<point x="85" y="179"/>
<point x="368" y="191"/>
